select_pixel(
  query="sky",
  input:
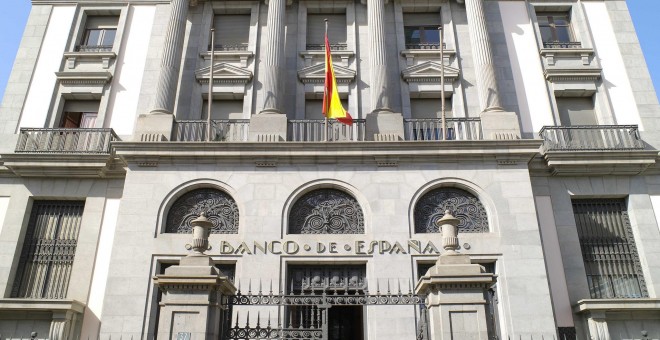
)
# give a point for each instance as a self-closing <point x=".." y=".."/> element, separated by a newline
<point x="15" y="12"/>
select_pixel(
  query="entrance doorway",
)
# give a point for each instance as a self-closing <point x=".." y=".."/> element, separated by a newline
<point x="345" y="322"/>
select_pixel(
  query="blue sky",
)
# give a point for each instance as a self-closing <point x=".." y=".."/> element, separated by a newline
<point x="15" y="13"/>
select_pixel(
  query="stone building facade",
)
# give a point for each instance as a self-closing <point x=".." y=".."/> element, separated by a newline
<point x="545" y="153"/>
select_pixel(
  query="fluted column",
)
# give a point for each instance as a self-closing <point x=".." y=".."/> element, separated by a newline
<point x="273" y="64"/>
<point x="378" y="55"/>
<point x="171" y="59"/>
<point x="489" y="96"/>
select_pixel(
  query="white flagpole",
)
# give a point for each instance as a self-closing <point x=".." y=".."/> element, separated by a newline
<point x="210" y="98"/>
<point x="442" y="82"/>
<point x="325" y="89"/>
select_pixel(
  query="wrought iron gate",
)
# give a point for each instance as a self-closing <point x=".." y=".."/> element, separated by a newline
<point x="304" y="315"/>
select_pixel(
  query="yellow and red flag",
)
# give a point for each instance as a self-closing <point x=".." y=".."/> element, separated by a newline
<point x="332" y="108"/>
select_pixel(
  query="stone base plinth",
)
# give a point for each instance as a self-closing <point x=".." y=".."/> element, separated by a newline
<point x="268" y="127"/>
<point x="500" y="125"/>
<point x="154" y="127"/>
<point x="454" y="290"/>
<point x="192" y="292"/>
<point x="385" y="126"/>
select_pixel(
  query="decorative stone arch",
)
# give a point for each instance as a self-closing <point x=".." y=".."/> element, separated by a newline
<point x="324" y="207"/>
<point x="458" y="196"/>
<point x="187" y="201"/>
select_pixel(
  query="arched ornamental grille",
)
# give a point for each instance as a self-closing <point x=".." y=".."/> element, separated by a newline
<point x="462" y="204"/>
<point x="219" y="207"/>
<point x="326" y="211"/>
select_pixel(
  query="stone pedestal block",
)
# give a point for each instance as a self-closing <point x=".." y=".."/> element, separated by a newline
<point x="385" y="126"/>
<point x="154" y="127"/>
<point x="455" y="298"/>
<point x="500" y="125"/>
<point x="268" y="127"/>
<point x="192" y="292"/>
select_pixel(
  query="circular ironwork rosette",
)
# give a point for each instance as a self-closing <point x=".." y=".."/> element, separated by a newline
<point x="463" y="205"/>
<point x="326" y="211"/>
<point x="219" y="207"/>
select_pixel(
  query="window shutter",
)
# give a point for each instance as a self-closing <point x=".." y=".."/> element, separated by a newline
<point x="224" y="109"/>
<point x="316" y="28"/>
<point x="429" y="108"/>
<point x="576" y="111"/>
<point x="96" y="22"/>
<point x="232" y="29"/>
<point x="421" y="19"/>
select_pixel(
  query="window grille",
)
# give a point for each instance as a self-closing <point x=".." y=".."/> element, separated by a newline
<point x="220" y="209"/>
<point x="326" y="211"/>
<point x="608" y="248"/>
<point x="49" y="248"/>
<point x="462" y="204"/>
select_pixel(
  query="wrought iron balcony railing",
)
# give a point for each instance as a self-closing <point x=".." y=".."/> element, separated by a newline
<point x="431" y="129"/>
<point x="94" y="48"/>
<point x="61" y="140"/>
<point x="425" y="46"/>
<point x="230" y="47"/>
<point x="591" y="138"/>
<point x="562" y="44"/>
<point x="321" y="47"/>
<point x="222" y="130"/>
<point x="313" y="130"/>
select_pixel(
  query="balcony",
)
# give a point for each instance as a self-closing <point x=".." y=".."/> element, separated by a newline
<point x="93" y="48"/>
<point x="430" y="129"/>
<point x="61" y="152"/>
<point x="222" y="130"/>
<point x="598" y="149"/>
<point x="562" y="44"/>
<point x="78" y="141"/>
<point x="314" y="130"/>
<point x="321" y="47"/>
<point x="591" y="138"/>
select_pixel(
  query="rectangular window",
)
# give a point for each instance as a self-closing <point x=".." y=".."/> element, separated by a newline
<point x="99" y="35"/>
<point x="574" y="111"/>
<point x="336" y="31"/>
<point x="426" y="122"/>
<point x="608" y="248"/>
<point x="421" y="30"/>
<point x="232" y="32"/>
<point x="49" y="249"/>
<point x="555" y="28"/>
<point x="80" y="114"/>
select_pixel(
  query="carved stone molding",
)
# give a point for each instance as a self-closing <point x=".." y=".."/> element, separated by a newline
<point x="463" y="205"/>
<point x="326" y="211"/>
<point x="219" y="207"/>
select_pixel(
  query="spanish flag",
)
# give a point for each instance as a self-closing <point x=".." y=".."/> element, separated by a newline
<point x="332" y="108"/>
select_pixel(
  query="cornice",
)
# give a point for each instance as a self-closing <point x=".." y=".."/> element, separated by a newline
<point x="500" y="152"/>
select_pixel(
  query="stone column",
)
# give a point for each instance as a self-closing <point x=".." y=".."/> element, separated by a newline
<point x="496" y="123"/>
<point x="454" y="290"/>
<point x="270" y="124"/>
<point x="382" y="123"/>
<point x="378" y="55"/>
<point x="171" y="58"/>
<point x="158" y="124"/>
<point x="489" y="95"/>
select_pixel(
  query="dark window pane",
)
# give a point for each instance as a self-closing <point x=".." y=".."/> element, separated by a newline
<point x="412" y="35"/>
<point x="563" y="34"/>
<point x="431" y="36"/>
<point x="92" y="37"/>
<point x="546" y="34"/>
<point x="109" y="37"/>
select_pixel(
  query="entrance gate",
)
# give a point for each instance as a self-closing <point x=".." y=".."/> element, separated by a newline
<point x="309" y="315"/>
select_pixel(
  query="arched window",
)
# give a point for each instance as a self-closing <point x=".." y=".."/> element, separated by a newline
<point x="326" y="211"/>
<point x="462" y="204"/>
<point x="219" y="207"/>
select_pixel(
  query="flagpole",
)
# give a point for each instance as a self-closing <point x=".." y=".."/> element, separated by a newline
<point x="442" y="82"/>
<point x="325" y="88"/>
<point x="210" y="98"/>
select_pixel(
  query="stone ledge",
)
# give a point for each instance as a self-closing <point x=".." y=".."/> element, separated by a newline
<point x="63" y="165"/>
<point x="332" y="152"/>
<point x="14" y="304"/>
<point x="618" y="305"/>
<point x="607" y="162"/>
